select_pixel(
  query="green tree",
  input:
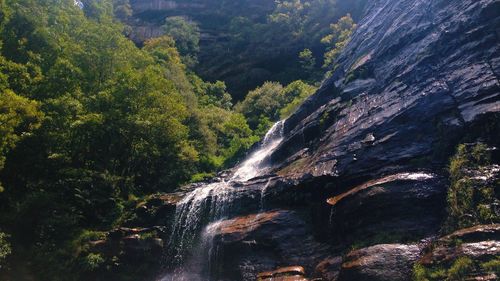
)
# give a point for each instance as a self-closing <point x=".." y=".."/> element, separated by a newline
<point x="18" y="118"/>
<point x="5" y="249"/>
<point x="272" y="102"/>
<point x="186" y="35"/>
<point x="295" y="94"/>
<point x="263" y="102"/>
<point x="122" y="9"/>
<point x="337" y="39"/>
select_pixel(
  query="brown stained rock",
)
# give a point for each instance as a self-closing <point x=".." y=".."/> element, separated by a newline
<point x="285" y="278"/>
<point x="266" y="240"/>
<point x="445" y="253"/>
<point x="480" y="250"/>
<point x="246" y="224"/>
<point x="394" y="208"/>
<point x="417" y="176"/>
<point x="386" y="262"/>
<point x="289" y="271"/>
<point x="478" y="242"/>
<point x="122" y="232"/>
<point x="475" y="233"/>
<point x="329" y="268"/>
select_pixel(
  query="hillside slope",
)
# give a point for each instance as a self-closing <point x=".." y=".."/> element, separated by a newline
<point x="357" y="189"/>
<point x="364" y="160"/>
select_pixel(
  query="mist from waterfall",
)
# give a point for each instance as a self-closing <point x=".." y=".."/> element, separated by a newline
<point x="198" y="214"/>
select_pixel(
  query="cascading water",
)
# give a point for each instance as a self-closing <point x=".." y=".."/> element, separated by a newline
<point x="198" y="214"/>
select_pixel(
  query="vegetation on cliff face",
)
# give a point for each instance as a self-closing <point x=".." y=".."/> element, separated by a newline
<point x="246" y="43"/>
<point x="472" y="200"/>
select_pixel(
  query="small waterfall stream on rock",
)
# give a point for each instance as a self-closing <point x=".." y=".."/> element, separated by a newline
<point x="198" y="214"/>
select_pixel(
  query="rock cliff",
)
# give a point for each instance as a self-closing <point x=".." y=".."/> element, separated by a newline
<point x="363" y="160"/>
<point x="211" y="15"/>
<point x="357" y="188"/>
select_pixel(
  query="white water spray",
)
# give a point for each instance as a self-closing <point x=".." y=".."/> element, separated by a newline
<point x="207" y="205"/>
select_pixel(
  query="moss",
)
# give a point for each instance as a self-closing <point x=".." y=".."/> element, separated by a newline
<point x="460" y="269"/>
<point x="422" y="273"/>
<point x="324" y="118"/>
<point x="361" y="72"/>
<point x="419" y="273"/>
<point x="201" y="177"/>
<point x="492" y="266"/>
<point x="148" y="235"/>
<point x="470" y="200"/>
<point x="92" y="262"/>
<point x="5" y="248"/>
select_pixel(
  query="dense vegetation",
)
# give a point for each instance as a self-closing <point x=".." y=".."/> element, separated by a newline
<point x="471" y="196"/>
<point x="246" y="43"/>
<point x="90" y="123"/>
<point x="472" y="200"/>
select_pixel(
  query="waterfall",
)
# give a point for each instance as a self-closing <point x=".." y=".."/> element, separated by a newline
<point x="198" y="213"/>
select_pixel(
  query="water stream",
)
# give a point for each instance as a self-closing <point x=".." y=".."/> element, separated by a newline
<point x="198" y="214"/>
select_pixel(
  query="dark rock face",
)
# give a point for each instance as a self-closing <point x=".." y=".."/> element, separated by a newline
<point x="403" y="206"/>
<point x="386" y="262"/>
<point x="329" y="268"/>
<point x="479" y="242"/>
<point x="125" y="248"/>
<point x="255" y="243"/>
<point x="363" y="160"/>
<point x="416" y="74"/>
<point x="291" y="273"/>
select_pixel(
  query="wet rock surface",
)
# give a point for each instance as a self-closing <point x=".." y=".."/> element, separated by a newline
<point x="291" y="273"/>
<point x="265" y="241"/>
<point x="328" y="269"/>
<point x="429" y="70"/>
<point x="479" y="242"/>
<point x="363" y="160"/>
<point x="405" y="207"/>
<point x="479" y="245"/>
<point x="387" y="262"/>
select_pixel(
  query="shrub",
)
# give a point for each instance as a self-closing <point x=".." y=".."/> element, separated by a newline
<point x="460" y="268"/>
<point x="92" y="262"/>
<point x="470" y="198"/>
<point x="5" y="249"/>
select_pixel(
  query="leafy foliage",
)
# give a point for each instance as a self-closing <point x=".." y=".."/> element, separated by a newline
<point x="254" y="49"/>
<point x="337" y="39"/>
<point x="18" y="118"/>
<point x="5" y="248"/>
<point x="471" y="200"/>
<point x="186" y="35"/>
<point x="272" y="102"/>
<point x="89" y="120"/>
